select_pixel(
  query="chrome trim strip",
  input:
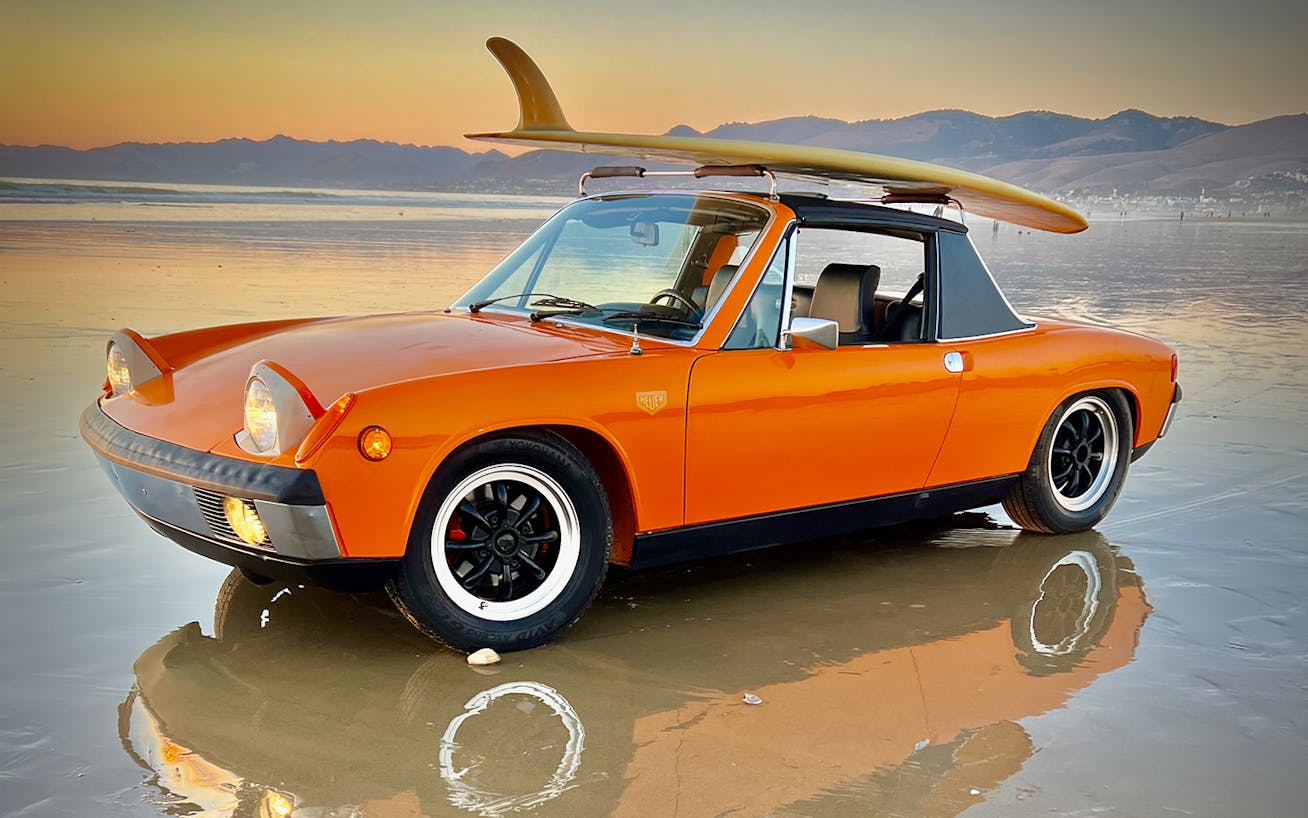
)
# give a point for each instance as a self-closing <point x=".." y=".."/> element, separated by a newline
<point x="786" y="239"/>
<point x="1032" y="327"/>
<point x="1167" y="421"/>
<point x="790" y="237"/>
<point x="931" y="289"/>
<point x="1171" y="410"/>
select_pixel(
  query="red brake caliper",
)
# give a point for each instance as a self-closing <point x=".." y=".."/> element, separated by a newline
<point x="455" y="530"/>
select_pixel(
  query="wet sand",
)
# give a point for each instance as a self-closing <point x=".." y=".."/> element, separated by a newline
<point x="1158" y="665"/>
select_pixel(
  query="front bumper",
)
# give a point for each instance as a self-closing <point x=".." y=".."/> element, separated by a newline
<point x="179" y="493"/>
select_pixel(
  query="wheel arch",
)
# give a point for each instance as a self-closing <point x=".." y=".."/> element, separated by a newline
<point x="613" y="473"/>
<point x="1128" y="391"/>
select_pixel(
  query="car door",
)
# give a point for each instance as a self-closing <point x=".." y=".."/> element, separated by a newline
<point x="772" y="429"/>
<point x="1013" y="372"/>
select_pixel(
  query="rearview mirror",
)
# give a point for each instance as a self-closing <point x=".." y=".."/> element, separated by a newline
<point x="646" y="234"/>
<point x="818" y="331"/>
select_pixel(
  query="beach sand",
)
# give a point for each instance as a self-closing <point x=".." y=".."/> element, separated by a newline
<point x="898" y="671"/>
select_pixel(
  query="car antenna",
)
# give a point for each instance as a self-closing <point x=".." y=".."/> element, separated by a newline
<point x="635" y="339"/>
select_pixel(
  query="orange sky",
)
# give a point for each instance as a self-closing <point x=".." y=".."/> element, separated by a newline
<point x="86" y="73"/>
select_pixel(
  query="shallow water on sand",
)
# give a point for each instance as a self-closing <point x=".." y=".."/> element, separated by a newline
<point x="1156" y="665"/>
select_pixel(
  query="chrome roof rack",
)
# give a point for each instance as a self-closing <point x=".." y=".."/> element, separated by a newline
<point x="616" y="171"/>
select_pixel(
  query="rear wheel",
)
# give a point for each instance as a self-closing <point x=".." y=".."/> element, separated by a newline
<point x="1077" y="469"/>
<point x="510" y="545"/>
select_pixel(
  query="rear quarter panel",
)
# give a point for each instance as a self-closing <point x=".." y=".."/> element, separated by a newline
<point x="1012" y="384"/>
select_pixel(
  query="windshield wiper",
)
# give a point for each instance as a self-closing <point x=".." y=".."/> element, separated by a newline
<point x="652" y="317"/>
<point x="565" y="303"/>
<point x="567" y="306"/>
<point x="545" y="300"/>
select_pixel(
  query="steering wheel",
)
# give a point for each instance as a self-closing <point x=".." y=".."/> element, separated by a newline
<point x="692" y="309"/>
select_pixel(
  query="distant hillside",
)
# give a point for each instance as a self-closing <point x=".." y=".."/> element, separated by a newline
<point x="1272" y="147"/>
<point x="1131" y="152"/>
<point x="277" y="161"/>
<point x="973" y="142"/>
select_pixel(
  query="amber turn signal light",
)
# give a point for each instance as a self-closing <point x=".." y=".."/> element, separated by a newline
<point x="375" y="443"/>
<point x="323" y="427"/>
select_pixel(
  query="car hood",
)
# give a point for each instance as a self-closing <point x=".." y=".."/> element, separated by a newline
<point x="200" y="404"/>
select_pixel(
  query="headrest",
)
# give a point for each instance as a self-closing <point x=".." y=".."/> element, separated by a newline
<point x="718" y="285"/>
<point x="846" y="294"/>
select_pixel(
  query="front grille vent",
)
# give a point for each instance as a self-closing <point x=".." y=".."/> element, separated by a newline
<point x="211" y="506"/>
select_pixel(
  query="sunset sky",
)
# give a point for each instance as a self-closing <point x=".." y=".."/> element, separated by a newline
<point x="86" y="73"/>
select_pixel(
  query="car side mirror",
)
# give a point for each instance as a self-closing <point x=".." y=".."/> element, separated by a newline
<point x="817" y="331"/>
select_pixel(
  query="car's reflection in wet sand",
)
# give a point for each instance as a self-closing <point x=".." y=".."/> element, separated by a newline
<point x="891" y="673"/>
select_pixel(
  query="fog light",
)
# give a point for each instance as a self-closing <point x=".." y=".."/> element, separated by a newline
<point x="244" y="520"/>
<point x="276" y="805"/>
<point x="375" y="443"/>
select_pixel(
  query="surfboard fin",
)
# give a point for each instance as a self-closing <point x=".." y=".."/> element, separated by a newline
<point x="540" y="109"/>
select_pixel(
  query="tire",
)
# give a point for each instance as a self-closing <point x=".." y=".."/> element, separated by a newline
<point x="500" y="574"/>
<point x="1078" y="467"/>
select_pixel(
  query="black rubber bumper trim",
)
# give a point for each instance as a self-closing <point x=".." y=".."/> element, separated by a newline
<point x="349" y="574"/>
<point x="225" y="475"/>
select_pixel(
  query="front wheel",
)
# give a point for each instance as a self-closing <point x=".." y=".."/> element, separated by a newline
<point x="1077" y="469"/>
<point x="510" y="545"/>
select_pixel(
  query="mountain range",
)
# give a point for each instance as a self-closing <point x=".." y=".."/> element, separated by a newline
<point x="1130" y="152"/>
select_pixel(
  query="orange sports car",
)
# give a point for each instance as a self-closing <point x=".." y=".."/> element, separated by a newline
<point x="651" y="377"/>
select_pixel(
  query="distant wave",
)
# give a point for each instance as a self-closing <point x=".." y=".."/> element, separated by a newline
<point x="63" y="191"/>
<point x="12" y="189"/>
<point x="41" y="192"/>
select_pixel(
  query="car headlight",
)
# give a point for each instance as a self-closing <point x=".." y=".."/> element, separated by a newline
<point x="279" y="410"/>
<point x="260" y="415"/>
<point x="120" y="377"/>
<point x="131" y="361"/>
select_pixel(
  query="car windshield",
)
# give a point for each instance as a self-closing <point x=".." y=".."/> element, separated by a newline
<point x="611" y="261"/>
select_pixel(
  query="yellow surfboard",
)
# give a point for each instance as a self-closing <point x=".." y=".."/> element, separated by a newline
<point x="543" y="124"/>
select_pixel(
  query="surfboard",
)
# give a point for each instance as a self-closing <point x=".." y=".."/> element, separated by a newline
<point x="541" y="123"/>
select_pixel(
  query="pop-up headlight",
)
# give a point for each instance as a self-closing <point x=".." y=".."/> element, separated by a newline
<point x="279" y="410"/>
<point x="130" y="361"/>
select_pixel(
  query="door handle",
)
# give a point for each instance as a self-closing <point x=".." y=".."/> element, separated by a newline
<point x="954" y="362"/>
